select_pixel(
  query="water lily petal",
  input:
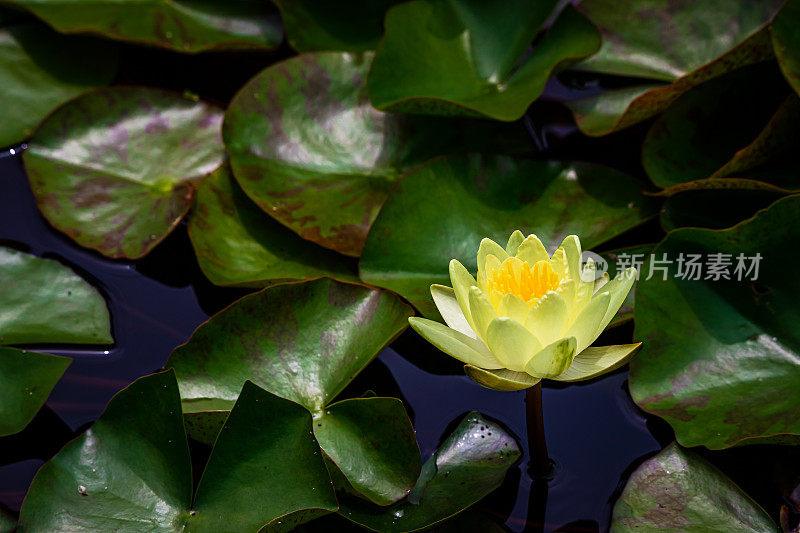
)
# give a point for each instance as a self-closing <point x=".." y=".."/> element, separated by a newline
<point x="584" y="328"/>
<point x="483" y="313"/>
<point x="559" y="263"/>
<point x="511" y="343"/>
<point x="553" y="359"/>
<point x="532" y="250"/>
<point x="446" y="303"/>
<point x="514" y="307"/>
<point x="488" y="246"/>
<point x="567" y="289"/>
<point x="548" y="318"/>
<point x="585" y="290"/>
<point x="597" y="360"/>
<point x="502" y="380"/>
<point x="455" y="344"/>
<point x="489" y="265"/>
<point x="600" y="282"/>
<point x="619" y="287"/>
<point x="462" y="280"/>
<point x="572" y="250"/>
<point x="514" y="241"/>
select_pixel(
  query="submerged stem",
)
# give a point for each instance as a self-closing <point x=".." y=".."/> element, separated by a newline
<point x="539" y="464"/>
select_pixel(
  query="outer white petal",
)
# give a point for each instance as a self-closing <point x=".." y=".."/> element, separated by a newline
<point x="511" y="343"/>
<point x="455" y="344"/>
<point x="462" y="280"/>
<point x="601" y="281"/>
<point x="548" y="318"/>
<point x="585" y="326"/>
<point x="502" y="379"/>
<point x="446" y="303"/>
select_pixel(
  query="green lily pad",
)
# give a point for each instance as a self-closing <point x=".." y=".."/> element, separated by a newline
<point x="358" y="435"/>
<point x="26" y="379"/>
<point x="714" y="209"/>
<point x="305" y="342"/>
<point x="115" y="169"/>
<point x="680" y="45"/>
<point x="677" y="490"/>
<point x="704" y="128"/>
<point x="238" y="244"/>
<point x="181" y="25"/>
<point x="414" y="238"/>
<point x="132" y="470"/>
<point x="786" y="42"/>
<point x="40" y="70"/>
<point x="43" y="301"/>
<point x="469" y="57"/>
<point x="307" y="148"/>
<point x="720" y="357"/>
<point x="354" y="26"/>
<point x="470" y="464"/>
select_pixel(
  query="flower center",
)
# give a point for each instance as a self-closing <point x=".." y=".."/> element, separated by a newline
<point x="520" y="279"/>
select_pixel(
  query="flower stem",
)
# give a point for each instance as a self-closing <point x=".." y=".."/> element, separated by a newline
<point x="539" y="464"/>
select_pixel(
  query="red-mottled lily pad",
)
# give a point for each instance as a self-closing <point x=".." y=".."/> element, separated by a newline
<point x="677" y="490"/>
<point x="415" y="236"/>
<point x="306" y="342"/>
<point x="7" y="522"/>
<point x="131" y="470"/>
<point x="238" y="244"/>
<point x="720" y="359"/>
<point x="26" y="379"/>
<point x="470" y="464"/>
<point x="43" y="301"/>
<point x="715" y="209"/>
<point x="354" y="26"/>
<point x="703" y="130"/>
<point x="680" y="44"/>
<point x="115" y="169"/>
<point x="40" y="70"/>
<point x="181" y="25"/>
<point x="307" y="147"/>
<point x="469" y="57"/>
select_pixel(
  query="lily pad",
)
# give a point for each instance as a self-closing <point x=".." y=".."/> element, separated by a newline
<point x="414" y="238"/>
<point x="43" y="301"/>
<point x="115" y="169"/>
<point x="359" y="436"/>
<point x="26" y="379"/>
<point x="354" y="26"/>
<point x="680" y="44"/>
<point x="618" y="260"/>
<point x="238" y="244"/>
<point x="40" y="70"/>
<point x="305" y="342"/>
<point x="132" y="468"/>
<point x="307" y="147"/>
<point x="7" y="522"/>
<point x="470" y="464"/>
<point x="714" y="209"/>
<point x="720" y="358"/>
<point x="471" y="58"/>
<point x="181" y="25"/>
<point x="786" y="42"/>
<point x="702" y="131"/>
<point x="677" y="490"/>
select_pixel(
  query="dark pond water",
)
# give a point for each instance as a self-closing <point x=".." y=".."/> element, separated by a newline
<point x="596" y="435"/>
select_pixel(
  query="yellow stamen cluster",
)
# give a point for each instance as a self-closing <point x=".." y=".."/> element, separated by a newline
<point x="529" y="283"/>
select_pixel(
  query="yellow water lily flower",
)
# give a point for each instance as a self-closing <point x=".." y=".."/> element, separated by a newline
<point x="528" y="315"/>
